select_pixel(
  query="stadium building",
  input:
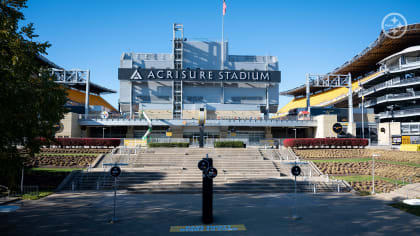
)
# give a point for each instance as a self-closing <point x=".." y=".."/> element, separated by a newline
<point x="175" y="86"/>
<point x="163" y="95"/>
<point x="384" y="88"/>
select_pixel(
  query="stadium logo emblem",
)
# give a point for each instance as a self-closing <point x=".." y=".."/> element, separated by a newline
<point x="394" y="25"/>
<point x="136" y="75"/>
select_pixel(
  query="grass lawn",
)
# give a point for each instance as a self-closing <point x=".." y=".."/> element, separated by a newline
<point x="55" y="169"/>
<point x="399" y="163"/>
<point x="366" y="178"/>
<point x="415" y="210"/>
<point x="356" y="160"/>
<point x="36" y="197"/>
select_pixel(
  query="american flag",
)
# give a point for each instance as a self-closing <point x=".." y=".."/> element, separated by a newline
<point x="224" y="7"/>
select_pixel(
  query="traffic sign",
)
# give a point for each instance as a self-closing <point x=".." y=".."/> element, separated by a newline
<point x="296" y="170"/>
<point x="115" y="171"/>
<point x="203" y="165"/>
<point x="337" y="128"/>
<point x="211" y="172"/>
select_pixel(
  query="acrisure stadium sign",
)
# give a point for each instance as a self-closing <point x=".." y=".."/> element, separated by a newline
<point x="198" y="75"/>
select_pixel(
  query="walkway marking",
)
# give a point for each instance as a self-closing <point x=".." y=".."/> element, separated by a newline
<point x="207" y="228"/>
<point x="7" y="208"/>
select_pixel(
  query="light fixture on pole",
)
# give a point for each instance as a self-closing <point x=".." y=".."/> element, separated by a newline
<point x="295" y="132"/>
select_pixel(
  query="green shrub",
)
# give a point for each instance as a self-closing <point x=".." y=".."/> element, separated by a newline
<point x="168" y="144"/>
<point x="415" y="210"/>
<point x="232" y="144"/>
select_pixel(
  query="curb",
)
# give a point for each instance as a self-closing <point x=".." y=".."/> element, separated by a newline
<point x="10" y="201"/>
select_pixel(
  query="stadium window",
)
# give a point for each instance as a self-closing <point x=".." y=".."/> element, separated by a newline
<point x="236" y="100"/>
<point x="166" y="98"/>
<point x="144" y="98"/>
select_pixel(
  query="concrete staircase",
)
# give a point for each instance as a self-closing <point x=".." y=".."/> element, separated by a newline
<point x="174" y="170"/>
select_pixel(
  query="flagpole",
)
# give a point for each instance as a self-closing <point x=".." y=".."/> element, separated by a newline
<point x="222" y="45"/>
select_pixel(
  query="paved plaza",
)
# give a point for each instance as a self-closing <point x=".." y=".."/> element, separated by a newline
<point x="261" y="214"/>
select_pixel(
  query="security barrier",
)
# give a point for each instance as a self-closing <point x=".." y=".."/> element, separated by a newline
<point x="135" y="142"/>
<point x="410" y="147"/>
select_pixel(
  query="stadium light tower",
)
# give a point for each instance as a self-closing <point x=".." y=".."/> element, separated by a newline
<point x="72" y="77"/>
<point x="331" y="81"/>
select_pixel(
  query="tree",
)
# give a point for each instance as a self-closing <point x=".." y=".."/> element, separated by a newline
<point x="30" y="102"/>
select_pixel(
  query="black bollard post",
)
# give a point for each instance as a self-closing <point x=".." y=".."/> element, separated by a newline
<point x="209" y="173"/>
<point x="208" y="195"/>
<point x="201" y="141"/>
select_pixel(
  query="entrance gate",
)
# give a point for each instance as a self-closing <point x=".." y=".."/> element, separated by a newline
<point x="195" y="141"/>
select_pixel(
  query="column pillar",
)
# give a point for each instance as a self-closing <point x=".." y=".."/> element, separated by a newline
<point x="268" y="134"/>
<point x="130" y="132"/>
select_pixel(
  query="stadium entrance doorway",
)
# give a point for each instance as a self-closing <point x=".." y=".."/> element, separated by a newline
<point x="195" y="141"/>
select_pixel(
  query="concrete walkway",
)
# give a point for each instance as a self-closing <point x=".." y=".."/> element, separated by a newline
<point x="407" y="191"/>
<point x="261" y="214"/>
<point x="8" y="200"/>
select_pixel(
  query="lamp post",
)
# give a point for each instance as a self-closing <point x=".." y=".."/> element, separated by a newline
<point x="295" y="132"/>
<point x="103" y="132"/>
<point x="373" y="172"/>
<point x="363" y="113"/>
<point x="391" y="108"/>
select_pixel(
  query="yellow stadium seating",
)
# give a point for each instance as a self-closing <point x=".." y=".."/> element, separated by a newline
<point x="325" y="98"/>
<point x="79" y="97"/>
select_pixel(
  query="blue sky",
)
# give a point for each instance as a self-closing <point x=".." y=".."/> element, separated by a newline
<point x="306" y="36"/>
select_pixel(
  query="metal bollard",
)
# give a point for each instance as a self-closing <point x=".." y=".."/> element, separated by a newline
<point x="310" y="172"/>
<point x="338" y="187"/>
<point x="314" y="188"/>
<point x="328" y="178"/>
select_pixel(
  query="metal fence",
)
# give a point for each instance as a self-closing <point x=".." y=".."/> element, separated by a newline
<point x="399" y="113"/>
<point x="30" y="190"/>
<point x="169" y="140"/>
<point x="390" y="97"/>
